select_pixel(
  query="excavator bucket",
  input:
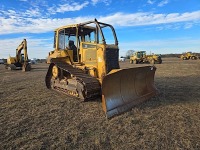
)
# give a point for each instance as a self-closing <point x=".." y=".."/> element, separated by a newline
<point x="123" y="89"/>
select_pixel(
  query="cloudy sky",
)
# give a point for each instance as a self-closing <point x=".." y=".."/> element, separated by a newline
<point x="157" y="26"/>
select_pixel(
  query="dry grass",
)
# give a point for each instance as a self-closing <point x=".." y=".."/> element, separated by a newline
<point x="33" y="117"/>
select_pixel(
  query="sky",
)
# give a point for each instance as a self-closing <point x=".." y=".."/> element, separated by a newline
<point x="157" y="26"/>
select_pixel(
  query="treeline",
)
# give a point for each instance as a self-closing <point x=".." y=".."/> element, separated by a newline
<point x="175" y="55"/>
<point x="170" y="55"/>
<point x="131" y="52"/>
<point x="36" y="60"/>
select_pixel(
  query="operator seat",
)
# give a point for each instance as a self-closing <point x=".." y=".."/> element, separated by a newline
<point x="74" y="48"/>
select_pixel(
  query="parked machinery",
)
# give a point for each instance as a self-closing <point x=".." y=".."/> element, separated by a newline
<point x="140" y="57"/>
<point x="189" y="55"/>
<point x="85" y="65"/>
<point x="20" y="61"/>
<point x="154" y="59"/>
<point x="1" y="61"/>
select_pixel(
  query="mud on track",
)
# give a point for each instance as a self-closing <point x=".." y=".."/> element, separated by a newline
<point x="33" y="117"/>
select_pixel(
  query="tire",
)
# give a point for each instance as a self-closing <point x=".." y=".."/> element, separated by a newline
<point x="152" y="61"/>
<point x="193" y="58"/>
<point x="131" y="61"/>
<point x="135" y="62"/>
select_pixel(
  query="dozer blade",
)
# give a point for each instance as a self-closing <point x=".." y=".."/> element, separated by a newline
<point x="123" y="89"/>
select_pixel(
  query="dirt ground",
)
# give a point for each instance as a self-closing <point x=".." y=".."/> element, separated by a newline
<point x="33" y="117"/>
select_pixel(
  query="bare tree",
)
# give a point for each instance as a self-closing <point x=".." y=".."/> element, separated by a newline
<point x="129" y="53"/>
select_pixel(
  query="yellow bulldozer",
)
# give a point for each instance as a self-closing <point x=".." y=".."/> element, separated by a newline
<point x="140" y="57"/>
<point x="84" y="64"/>
<point x="20" y="61"/>
<point x="189" y="55"/>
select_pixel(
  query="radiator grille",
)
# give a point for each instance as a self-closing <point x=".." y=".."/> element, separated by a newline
<point x="112" y="59"/>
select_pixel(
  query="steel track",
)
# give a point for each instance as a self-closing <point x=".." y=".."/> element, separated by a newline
<point x="91" y="85"/>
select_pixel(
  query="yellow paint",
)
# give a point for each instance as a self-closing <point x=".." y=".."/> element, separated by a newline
<point x="20" y="57"/>
<point x="91" y="53"/>
<point x="55" y="71"/>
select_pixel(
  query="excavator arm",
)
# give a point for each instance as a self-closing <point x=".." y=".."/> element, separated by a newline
<point x="22" y="46"/>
